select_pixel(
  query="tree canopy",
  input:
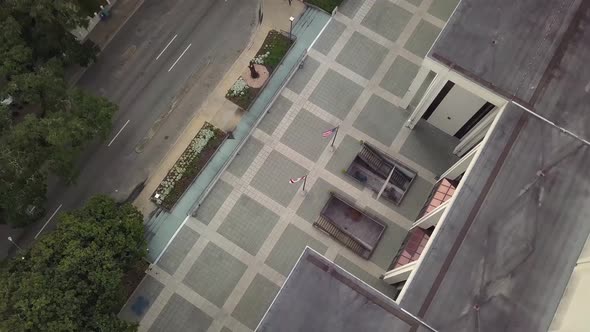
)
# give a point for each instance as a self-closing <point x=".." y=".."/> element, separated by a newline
<point x="71" y="280"/>
<point x="49" y="123"/>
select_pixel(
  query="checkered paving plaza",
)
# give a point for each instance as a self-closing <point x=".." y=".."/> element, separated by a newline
<point x="226" y="264"/>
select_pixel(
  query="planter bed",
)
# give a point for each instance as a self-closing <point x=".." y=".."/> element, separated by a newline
<point x="271" y="53"/>
<point x="188" y="166"/>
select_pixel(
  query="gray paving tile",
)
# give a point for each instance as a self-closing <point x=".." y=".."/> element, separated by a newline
<point x="390" y="242"/>
<point x="255" y="301"/>
<point x="213" y="202"/>
<point x="289" y="247"/>
<point x="430" y="147"/>
<point x="349" y="7"/>
<point x="248" y="224"/>
<point x="413" y="200"/>
<point x="336" y="94"/>
<point x="443" y="8"/>
<point x="225" y="329"/>
<point x="180" y="315"/>
<point x="316" y="198"/>
<point x="176" y="252"/>
<point x="304" y="135"/>
<point x="362" y="55"/>
<point x="399" y="77"/>
<point x="365" y="276"/>
<point x="422" y="38"/>
<point x="416" y="3"/>
<point x="273" y="178"/>
<point x="142" y="299"/>
<point x="329" y="37"/>
<point x="215" y="274"/>
<point x="303" y="75"/>
<point x="381" y="120"/>
<point x="387" y="19"/>
<point x="247" y="154"/>
<point x="343" y="157"/>
<point x="275" y="115"/>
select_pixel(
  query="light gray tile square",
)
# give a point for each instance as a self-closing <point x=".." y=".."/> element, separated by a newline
<point x="387" y="19"/>
<point x="213" y="202"/>
<point x="329" y="37"/>
<point x="248" y="224"/>
<point x="255" y="301"/>
<point x="178" y="249"/>
<point x="303" y="75"/>
<point x="289" y="247"/>
<point x="349" y="8"/>
<point x="245" y="157"/>
<point x="336" y="94"/>
<point x="399" y="77"/>
<point x="304" y="135"/>
<point x="362" y="55"/>
<point x="443" y="8"/>
<point x="273" y="118"/>
<point x="273" y="178"/>
<point x="381" y="120"/>
<point x="430" y="147"/>
<point x="215" y="274"/>
<point x="422" y="38"/>
<point x="180" y="315"/>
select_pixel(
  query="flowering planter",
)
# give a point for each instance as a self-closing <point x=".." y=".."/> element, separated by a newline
<point x="188" y="166"/>
<point x="274" y="48"/>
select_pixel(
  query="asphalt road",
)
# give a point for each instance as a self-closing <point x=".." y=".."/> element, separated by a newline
<point x="166" y="47"/>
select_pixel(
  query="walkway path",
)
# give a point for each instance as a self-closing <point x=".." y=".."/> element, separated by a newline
<point x="225" y="264"/>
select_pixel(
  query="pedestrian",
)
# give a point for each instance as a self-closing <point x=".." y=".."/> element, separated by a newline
<point x="290" y="2"/>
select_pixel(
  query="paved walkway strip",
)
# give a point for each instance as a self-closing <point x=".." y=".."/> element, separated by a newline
<point x="163" y="225"/>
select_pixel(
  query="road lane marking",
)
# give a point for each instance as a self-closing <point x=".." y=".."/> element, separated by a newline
<point x="174" y="64"/>
<point x="114" y="138"/>
<point x="48" y="220"/>
<point x="159" y="55"/>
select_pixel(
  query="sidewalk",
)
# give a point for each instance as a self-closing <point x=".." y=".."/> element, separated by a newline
<point x="225" y="115"/>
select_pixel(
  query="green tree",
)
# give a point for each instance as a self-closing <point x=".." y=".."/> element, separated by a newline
<point x="35" y="47"/>
<point x="71" y="280"/>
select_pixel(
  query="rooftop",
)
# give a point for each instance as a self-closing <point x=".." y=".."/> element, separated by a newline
<point x="503" y="256"/>
<point x="317" y="285"/>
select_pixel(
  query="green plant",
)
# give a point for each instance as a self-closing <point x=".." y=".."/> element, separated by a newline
<point x="327" y="5"/>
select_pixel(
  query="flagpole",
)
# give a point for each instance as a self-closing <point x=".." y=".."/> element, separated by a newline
<point x="335" y="134"/>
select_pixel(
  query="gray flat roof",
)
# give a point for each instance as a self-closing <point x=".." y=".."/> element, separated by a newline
<point x="505" y="44"/>
<point x="320" y="296"/>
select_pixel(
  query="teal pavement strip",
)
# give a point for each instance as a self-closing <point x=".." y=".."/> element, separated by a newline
<point x="162" y="226"/>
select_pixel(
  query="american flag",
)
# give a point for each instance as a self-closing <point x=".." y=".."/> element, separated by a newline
<point x="329" y="133"/>
<point x="295" y="180"/>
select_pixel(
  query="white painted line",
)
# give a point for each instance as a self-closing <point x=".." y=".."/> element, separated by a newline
<point x="48" y="220"/>
<point x="174" y="64"/>
<point x="159" y="55"/>
<point x="125" y="125"/>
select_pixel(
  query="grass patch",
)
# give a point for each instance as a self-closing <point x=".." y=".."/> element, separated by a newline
<point x="327" y="5"/>
<point x="276" y="45"/>
<point x="188" y="166"/>
<point x="271" y="53"/>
